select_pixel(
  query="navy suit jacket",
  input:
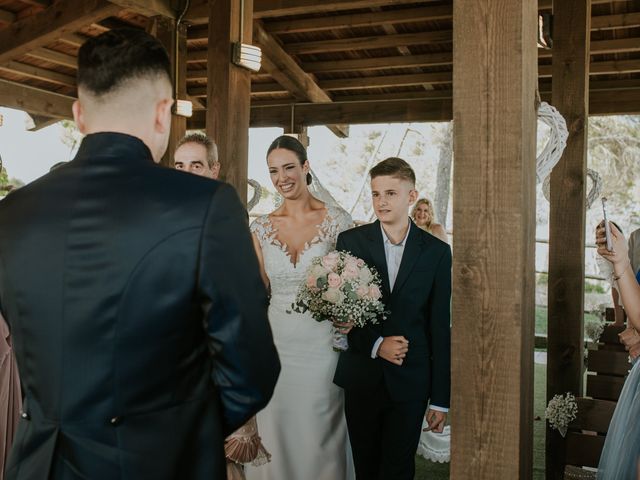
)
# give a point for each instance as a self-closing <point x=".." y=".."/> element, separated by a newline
<point x="138" y="316"/>
<point x="419" y="307"/>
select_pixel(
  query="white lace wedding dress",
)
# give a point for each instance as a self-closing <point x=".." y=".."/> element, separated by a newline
<point x="303" y="427"/>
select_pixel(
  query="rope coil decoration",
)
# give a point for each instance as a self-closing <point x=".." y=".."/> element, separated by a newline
<point x="552" y="151"/>
<point x="594" y="192"/>
<point x="257" y="194"/>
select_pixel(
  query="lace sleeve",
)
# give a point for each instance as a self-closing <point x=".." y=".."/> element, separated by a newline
<point x="259" y="227"/>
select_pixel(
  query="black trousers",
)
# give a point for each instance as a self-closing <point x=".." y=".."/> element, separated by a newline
<point x="384" y="434"/>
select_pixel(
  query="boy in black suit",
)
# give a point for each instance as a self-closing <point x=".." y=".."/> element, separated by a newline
<point x="394" y="368"/>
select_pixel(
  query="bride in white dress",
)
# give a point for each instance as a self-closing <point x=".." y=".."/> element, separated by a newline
<point x="303" y="427"/>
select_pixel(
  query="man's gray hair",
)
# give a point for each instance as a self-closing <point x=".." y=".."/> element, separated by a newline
<point x="204" y="140"/>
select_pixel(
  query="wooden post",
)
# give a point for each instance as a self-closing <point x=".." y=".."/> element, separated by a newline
<point x="229" y="90"/>
<point x="567" y="215"/>
<point x="494" y="203"/>
<point x="165" y="30"/>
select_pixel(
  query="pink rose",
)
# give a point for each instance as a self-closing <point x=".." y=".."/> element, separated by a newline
<point x="362" y="291"/>
<point x="374" y="292"/>
<point x="350" y="271"/>
<point x="330" y="261"/>
<point x="360" y="262"/>
<point x="312" y="282"/>
<point x="334" y="280"/>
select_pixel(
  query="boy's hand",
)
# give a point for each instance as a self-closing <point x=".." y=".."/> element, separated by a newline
<point x="435" y="419"/>
<point x="394" y="349"/>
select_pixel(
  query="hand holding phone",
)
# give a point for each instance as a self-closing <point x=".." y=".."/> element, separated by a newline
<point x="607" y="227"/>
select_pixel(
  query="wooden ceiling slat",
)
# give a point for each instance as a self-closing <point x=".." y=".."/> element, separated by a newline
<point x="74" y="39"/>
<point x="439" y="12"/>
<point x="37" y="3"/>
<point x="148" y="8"/>
<point x="53" y="56"/>
<point x="38" y="73"/>
<point x="65" y="16"/>
<point x="379" y="63"/>
<point x="386" y="81"/>
<point x="620" y="20"/>
<point x="370" y="42"/>
<point x="198" y="12"/>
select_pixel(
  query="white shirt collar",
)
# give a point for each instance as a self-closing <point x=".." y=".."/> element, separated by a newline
<point x="388" y="241"/>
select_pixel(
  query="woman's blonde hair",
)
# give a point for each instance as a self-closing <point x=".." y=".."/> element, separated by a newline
<point x="430" y="211"/>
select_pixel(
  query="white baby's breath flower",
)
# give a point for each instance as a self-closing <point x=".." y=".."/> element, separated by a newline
<point x="561" y="411"/>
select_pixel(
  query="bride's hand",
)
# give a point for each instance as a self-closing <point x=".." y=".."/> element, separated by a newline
<point x="343" y="327"/>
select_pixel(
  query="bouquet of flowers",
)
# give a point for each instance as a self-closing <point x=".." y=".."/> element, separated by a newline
<point x="341" y="288"/>
<point x="561" y="411"/>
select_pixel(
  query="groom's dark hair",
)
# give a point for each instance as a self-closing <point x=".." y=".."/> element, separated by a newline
<point x="393" y="167"/>
<point x="107" y="61"/>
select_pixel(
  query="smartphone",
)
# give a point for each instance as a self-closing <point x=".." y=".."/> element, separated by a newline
<point x="607" y="227"/>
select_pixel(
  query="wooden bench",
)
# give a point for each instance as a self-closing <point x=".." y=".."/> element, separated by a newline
<point x="607" y="369"/>
<point x="586" y="435"/>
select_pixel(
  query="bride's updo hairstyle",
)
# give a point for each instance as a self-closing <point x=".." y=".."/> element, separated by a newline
<point x="293" y="145"/>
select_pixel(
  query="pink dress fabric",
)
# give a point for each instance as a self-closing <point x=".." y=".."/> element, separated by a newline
<point x="10" y="395"/>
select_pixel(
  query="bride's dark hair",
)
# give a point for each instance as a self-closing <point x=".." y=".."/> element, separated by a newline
<point x="293" y="145"/>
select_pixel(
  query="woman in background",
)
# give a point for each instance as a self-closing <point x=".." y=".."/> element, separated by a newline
<point x="423" y="216"/>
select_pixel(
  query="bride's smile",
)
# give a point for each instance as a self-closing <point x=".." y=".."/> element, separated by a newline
<point x="287" y="173"/>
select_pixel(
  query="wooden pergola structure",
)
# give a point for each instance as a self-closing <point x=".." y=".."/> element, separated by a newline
<point x="341" y="62"/>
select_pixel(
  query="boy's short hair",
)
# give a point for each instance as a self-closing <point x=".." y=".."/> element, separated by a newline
<point x="204" y="140"/>
<point x="393" y="167"/>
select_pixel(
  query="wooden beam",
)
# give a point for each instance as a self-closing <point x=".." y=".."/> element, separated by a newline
<point x="41" y="121"/>
<point x="309" y="114"/>
<point x="615" y="102"/>
<point x="426" y="106"/>
<point x="34" y="100"/>
<point x="229" y="90"/>
<point x="386" y="81"/>
<point x="148" y="8"/>
<point x="600" y="68"/>
<point x="284" y="70"/>
<point x="567" y="217"/>
<point x="63" y="17"/>
<point x="387" y="17"/>
<point x="494" y="241"/>
<point x="370" y="42"/>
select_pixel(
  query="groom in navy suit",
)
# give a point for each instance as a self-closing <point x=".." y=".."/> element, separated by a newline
<point x="394" y="369"/>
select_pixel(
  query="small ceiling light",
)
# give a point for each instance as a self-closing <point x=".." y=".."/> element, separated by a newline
<point x="247" y="56"/>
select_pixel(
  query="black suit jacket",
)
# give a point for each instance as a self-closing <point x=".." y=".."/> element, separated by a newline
<point x="419" y="306"/>
<point x="138" y="315"/>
